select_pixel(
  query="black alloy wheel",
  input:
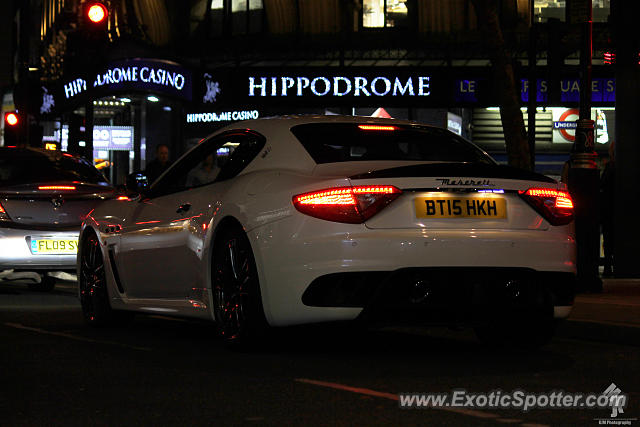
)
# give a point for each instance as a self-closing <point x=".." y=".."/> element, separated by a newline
<point x="236" y="289"/>
<point x="92" y="284"/>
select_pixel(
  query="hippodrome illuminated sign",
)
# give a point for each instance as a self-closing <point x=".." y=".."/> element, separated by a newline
<point x="225" y="116"/>
<point x="142" y="74"/>
<point x="157" y="76"/>
<point x="283" y="86"/>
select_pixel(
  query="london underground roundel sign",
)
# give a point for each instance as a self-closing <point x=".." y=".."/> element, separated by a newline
<point x="566" y="123"/>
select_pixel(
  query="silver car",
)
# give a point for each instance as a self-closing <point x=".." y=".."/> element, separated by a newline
<point x="44" y="196"/>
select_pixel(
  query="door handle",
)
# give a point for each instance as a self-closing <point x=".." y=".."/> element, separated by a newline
<point x="183" y="208"/>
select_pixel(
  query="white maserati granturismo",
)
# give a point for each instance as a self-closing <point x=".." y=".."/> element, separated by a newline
<point x="296" y="220"/>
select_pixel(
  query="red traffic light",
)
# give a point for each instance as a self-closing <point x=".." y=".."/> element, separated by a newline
<point x="96" y="12"/>
<point x="11" y="119"/>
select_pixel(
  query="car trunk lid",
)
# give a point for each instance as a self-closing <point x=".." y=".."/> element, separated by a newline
<point x="456" y="196"/>
<point x="58" y="204"/>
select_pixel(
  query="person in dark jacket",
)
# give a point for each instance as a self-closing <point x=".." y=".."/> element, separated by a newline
<point x="607" y="199"/>
<point x="158" y="165"/>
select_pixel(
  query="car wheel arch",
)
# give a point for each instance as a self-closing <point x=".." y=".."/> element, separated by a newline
<point x="227" y="221"/>
<point x="232" y="221"/>
<point x="84" y="233"/>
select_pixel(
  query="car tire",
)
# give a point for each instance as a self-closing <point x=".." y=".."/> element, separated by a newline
<point x="92" y="287"/>
<point x="47" y="283"/>
<point x="235" y="287"/>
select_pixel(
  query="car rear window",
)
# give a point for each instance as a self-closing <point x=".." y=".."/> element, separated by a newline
<point x="18" y="166"/>
<point x="347" y="142"/>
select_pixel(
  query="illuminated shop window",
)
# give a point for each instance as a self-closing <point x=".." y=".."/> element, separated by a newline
<point x="384" y="13"/>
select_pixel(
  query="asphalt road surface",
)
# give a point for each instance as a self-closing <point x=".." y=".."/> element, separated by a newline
<point x="158" y="371"/>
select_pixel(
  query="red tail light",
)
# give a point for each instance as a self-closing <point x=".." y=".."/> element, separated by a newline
<point x="353" y="205"/>
<point x="554" y="205"/>
<point x="57" y="187"/>
<point x="3" y="214"/>
<point x="377" y="127"/>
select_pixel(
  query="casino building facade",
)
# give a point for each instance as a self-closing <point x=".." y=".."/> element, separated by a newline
<point x="164" y="72"/>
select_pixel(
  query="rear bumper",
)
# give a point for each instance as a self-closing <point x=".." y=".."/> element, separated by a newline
<point x="15" y="253"/>
<point x="446" y="295"/>
<point x="291" y="254"/>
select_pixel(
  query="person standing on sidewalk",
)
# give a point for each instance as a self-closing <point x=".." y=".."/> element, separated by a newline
<point x="158" y="165"/>
<point x="607" y="197"/>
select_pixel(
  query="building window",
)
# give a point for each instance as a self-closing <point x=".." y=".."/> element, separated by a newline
<point x="216" y="15"/>
<point x="246" y="16"/>
<point x="244" y="5"/>
<point x="545" y="9"/>
<point x="243" y="16"/>
<point x="601" y="10"/>
<point x="384" y="14"/>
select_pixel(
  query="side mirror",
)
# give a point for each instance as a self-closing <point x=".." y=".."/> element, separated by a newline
<point x="137" y="183"/>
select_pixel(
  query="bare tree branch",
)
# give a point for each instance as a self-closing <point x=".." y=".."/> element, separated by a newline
<point x="504" y="82"/>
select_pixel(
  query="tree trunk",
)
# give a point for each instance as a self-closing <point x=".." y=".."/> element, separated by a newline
<point x="515" y="135"/>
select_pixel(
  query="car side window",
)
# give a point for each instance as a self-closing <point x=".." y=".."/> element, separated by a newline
<point x="216" y="159"/>
<point x="195" y="169"/>
<point x="245" y="148"/>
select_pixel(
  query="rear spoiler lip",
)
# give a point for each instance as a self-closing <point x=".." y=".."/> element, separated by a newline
<point x="456" y="170"/>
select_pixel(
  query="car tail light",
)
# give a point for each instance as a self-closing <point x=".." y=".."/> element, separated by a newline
<point x="353" y="205"/>
<point x="377" y="127"/>
<point x="554" y="205"/>
<point x="4" y="216"/>
<point x="57" y="187"/>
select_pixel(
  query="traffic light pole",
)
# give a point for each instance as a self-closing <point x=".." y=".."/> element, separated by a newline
<point x="533" y="88"/>
<point x="584" y="176"/>
<point x="88" y="130"/>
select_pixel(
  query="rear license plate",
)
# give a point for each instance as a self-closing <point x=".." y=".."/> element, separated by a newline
<point x="54" y="246"/>
<point x="460" y="207"/>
